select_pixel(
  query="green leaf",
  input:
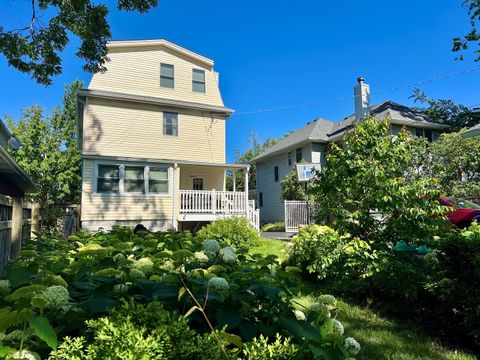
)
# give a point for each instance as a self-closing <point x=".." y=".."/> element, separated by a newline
<point x="300" y="329"/>
<point x="324" y="354"/>
<point x="231" y="339"/>
<point x="190" y="312"/>
<point x="8" y="318"/>
<point x="230" y="318"/>
<point x="181" y="292"/>
<point x="18" y="275"/>
<point x="327" y="327"/>
<point x="5" y="350"/>
<point x="44" y="330"/>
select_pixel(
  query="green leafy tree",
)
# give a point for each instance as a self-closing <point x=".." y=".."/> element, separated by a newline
<point x="366" y="188"/>
<point x="49" y="152"/>
<point x="473" y="36"/>
<point x="447" y="112"/>
<point x="292" y="189"/>
<point x="35" y="48"/>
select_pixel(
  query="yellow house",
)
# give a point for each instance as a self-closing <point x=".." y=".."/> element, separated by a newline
<point x="152" y="135"/>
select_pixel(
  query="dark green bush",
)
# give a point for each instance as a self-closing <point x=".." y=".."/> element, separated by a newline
<point x="274" y="227"/>
<point x="235" y="231"/>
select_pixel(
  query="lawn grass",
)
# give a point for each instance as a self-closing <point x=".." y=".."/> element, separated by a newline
<point x="380" y="337"/>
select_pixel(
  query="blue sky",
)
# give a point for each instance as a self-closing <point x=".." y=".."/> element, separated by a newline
<point x="272" y="54"/>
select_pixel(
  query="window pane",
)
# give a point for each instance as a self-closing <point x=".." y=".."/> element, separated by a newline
<point x="429" y="134"/>
<point x="198" y="75"/>
<point x="198" y="87"/>
<point x="419" y="132"/>
<point x="298" y="155"/>
<point x="158" y="174"/>
<point x="156" y="186"/>
<point x="166" y="82"/>
<point x="166" y="70"/>
<point x="133" y="172"/>
<point x="137" y="186"/>
<point x="107" y="185"/>
<point x="108" y="171"/>
<point x="170" y="123"/>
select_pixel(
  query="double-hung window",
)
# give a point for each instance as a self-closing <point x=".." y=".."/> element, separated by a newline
<point x="198" y="80"/>
<point x="275" y="171"/>
<point x="108" y="179"/>
<point x="170" y="123"/>
<point x="289" y="158"/>
<point x="134" y="179"/>
<point x="158" y="180"/>
<point x="298" y="155"/>
<point x="167" y="77"/>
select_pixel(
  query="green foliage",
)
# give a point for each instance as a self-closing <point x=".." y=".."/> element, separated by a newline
<point x="234" y="231"/>
<point x="372" y="173"/>
<point x="50" y="154"/>
<point x="35" y="48"/>
<point x="323" y="252"/>
<point x="243" y="296"/>
<point x="473" y="36"/>
<point x="281" y="349"/>
<point x="292" y="189"/>
<point x="274" y="227"/>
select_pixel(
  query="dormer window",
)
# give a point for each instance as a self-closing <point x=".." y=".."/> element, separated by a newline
<point x="198" y="80"/>
<point x="167" y="76"/>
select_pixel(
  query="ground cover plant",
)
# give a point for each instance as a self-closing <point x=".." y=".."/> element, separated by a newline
<point x="84" y="298"/>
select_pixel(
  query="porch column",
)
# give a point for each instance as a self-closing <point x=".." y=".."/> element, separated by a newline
<point x="234" y="180"/>
<point x="246" y="189"/>
<point x="17" y="224"/>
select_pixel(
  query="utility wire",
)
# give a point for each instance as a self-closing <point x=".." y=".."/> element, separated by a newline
<point x="343" y="98"/>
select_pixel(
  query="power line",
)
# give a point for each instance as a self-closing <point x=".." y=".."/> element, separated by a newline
<point x="343" y="98"/>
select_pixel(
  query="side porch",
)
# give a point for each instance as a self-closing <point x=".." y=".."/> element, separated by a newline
<point x="203" y="196"/>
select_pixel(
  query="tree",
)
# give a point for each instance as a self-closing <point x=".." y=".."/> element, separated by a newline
<point x="462" y="43"/>
<point x="50" y="153"/>
<point x="292" y="189"/>
<point x="447" y="112"/>
<point x="254" y="149"/>
<point x="371" y="173"/>
<point x="35" y="48"/>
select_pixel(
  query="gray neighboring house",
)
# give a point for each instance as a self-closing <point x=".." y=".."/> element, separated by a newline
<point x="473" y="131"/>
<point x="310" y="144"/>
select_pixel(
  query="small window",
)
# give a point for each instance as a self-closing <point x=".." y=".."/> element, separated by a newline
<point x="289" y="158"/>
<point x="134" y="180"/>
<point x="419" y="132"/>
<point x="198" y="80"/>
<point x="298" y="155"/>
<point x="197" y="183"/>
<point x="275" y="170"/>
<point x="108" y="179"/>
<point x="167" y="76"/>
<point x="170" y="124"/>
<point x="260" y="199"/>
<point x="158" y="180"/>
<point x="428" y="134"/>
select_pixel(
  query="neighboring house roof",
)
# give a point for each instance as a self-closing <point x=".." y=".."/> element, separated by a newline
<point x="10" y="170"/>
<point x="474" y="131"/>
<point x="128" y="44"/>
<point x="321" y="130"/>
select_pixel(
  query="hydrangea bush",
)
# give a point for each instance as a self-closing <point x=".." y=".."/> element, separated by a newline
<point x="61" y="288"/>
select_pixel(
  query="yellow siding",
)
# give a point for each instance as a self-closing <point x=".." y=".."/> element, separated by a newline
<point x="214" y="177"/>
<point x="127" y="129"/>
<point x="137" y="71"/>
<point x="105" y="207"/>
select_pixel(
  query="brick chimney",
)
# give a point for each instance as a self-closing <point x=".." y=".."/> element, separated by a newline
<point x="362" y="99"/>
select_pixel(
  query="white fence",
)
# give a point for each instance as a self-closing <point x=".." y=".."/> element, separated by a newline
<point x="253" y="215"/>
<point x="297" y="213"/>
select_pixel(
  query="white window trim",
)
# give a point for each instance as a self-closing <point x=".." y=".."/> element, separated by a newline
<point x="163" y="124"/>
<point x="121" y="188"/>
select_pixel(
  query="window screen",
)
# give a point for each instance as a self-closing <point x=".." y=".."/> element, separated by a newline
<point x="198" y="80"/>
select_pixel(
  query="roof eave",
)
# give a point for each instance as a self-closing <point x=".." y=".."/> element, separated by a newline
<point x="21" y="179"/>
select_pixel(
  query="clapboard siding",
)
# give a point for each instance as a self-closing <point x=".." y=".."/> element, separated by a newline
<point x="137" y="71"/>
<point x="108" y="207"/>
<point x="214" y="177"/>
<point x="116" y="128"/>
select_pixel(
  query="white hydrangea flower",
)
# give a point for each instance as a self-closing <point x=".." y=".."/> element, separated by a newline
<point x="210" y="245"/>
<point x="219" y="284"/>
<point x="119" y="258"/>
<point x="228" y="255"/>
<point x="201" y="257"/>
<point x="299" y="315"/>
<point x="321" y="309"/>
<point x="55" y="297"/>
<point x="145" y="265"/>
<point x="25" y="355"/>
<point x="352" y="346"/>
<point x="338" y="327"/>
<point x="4" y="284"/>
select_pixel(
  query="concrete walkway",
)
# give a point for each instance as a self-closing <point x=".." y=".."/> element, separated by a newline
<point x="277" y="235"/>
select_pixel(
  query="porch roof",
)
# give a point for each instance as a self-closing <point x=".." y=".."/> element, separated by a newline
<point x="165" y="161"/>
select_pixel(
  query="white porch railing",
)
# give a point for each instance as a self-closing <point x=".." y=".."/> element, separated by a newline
<point x="212" y="202"/>
<point x="219" y="203"/>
